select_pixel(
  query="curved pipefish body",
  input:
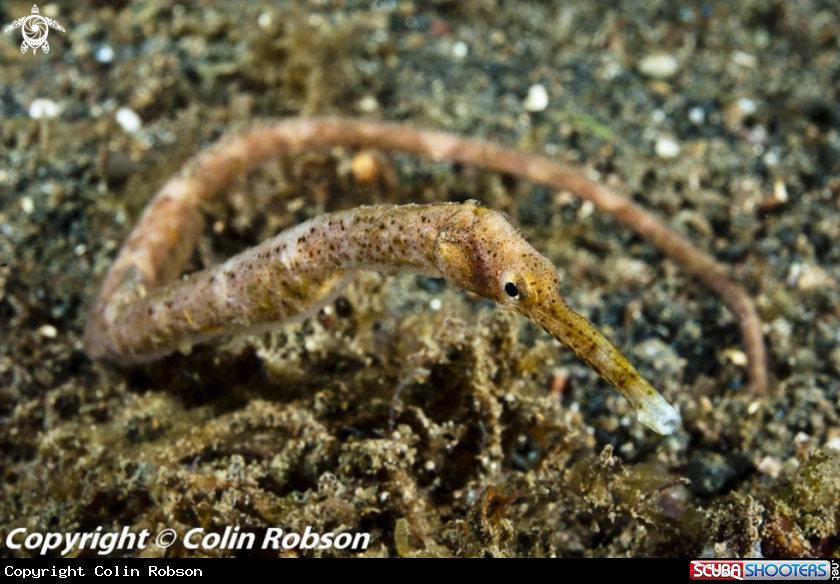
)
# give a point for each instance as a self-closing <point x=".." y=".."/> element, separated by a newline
<point x="299" y="271"/>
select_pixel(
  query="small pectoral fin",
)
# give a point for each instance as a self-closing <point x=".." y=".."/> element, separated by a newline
<point x="453" y="263"/>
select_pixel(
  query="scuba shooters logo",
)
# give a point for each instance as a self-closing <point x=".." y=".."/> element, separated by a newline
<point x="36" y="28"/>
<point x="717" y="570"/>
<point x="764" y="570"/>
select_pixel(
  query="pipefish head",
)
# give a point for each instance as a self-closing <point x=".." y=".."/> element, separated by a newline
<point x="480" y="251"/>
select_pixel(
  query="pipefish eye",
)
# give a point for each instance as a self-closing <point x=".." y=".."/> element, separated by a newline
<point x="517" y="291"/>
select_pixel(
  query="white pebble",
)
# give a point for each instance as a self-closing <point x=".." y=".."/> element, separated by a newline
<point x="129" y="120"/>
<point x="744" y="59"/>
<point x="43" y="108"/>
<point x="537" y="99"/>
<point x="27" y="205"/>
<point x="264" y="20"/>
<point x="460" y="50"/>
<point x="696" y="116"/>
<point x="435" y="304"/>
<point x="666" y="147"/>
<point x="780" y="192"/>
<point x="747" y="106"/>
<point x="48" y="331"/>
<point x="659" y="66"/>
<point x="104" y="54"/>
<point x="368" y="104"/>
<point x="736" y="357"/>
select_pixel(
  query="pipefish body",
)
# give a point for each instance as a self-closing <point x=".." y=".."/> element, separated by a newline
<point x="291" y="276"/>
<point x="299" y="271"/>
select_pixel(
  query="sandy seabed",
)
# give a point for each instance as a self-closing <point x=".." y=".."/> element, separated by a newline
<point x="409" y="411"/>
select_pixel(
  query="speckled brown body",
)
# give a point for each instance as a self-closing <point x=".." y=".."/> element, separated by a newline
<point x="283" y="279"/>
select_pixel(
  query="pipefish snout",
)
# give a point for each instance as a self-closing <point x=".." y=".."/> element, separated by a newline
<point x="480" y="251"/>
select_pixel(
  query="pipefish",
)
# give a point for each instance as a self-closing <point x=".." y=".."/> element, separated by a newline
<point x="141" y="314"/>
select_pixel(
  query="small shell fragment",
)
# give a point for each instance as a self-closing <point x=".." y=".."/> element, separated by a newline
<point x="736" y="357"/>
<point x="43" y="108"/>
<point x="667" y="147"/>
<point x="128" y="120"/>
<point x="48" y="331"/>
<point x="537" y="99"/>
<point x="659" y="66"/>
